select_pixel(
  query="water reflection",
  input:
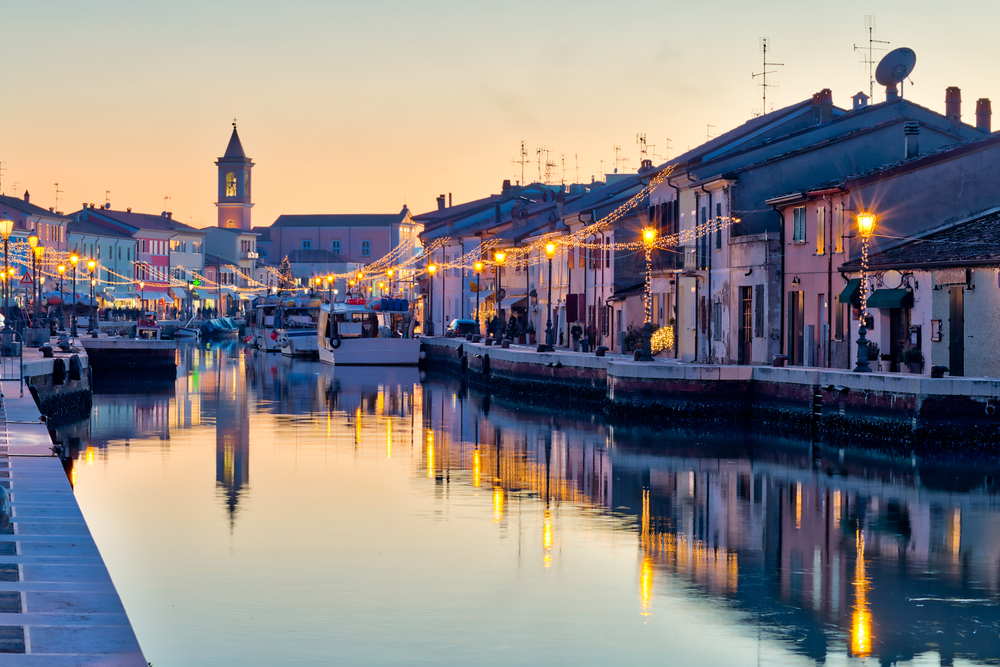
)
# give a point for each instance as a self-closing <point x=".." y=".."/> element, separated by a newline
<point x="801" y="554"/>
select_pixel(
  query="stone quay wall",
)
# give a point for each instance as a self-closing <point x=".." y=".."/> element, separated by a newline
<point x="886" y="411"/>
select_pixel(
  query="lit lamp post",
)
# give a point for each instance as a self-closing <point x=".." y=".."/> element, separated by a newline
<point x="550" y="250"/>
<point x="478" y="266"/>
<point x="33" y="243"/>
<point x="329" y="288"/>
<point x="73" y="259"/>
<point x="389" y="274"/>
<point x="866" y="223"/>
<point x="91" y="265"/>
<point x="142" y="293"/>
<point x="499" y="256"/>
<point x="430" y="300"/>
<point x="648" y="236"/>
<point x="361" y="288"/>
<point x="6" y="227"/>
<point x="62" y="298"/>
<point x="39" y="253"/>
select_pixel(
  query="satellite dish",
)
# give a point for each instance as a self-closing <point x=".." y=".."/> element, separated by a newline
<point x="895" y="67"/>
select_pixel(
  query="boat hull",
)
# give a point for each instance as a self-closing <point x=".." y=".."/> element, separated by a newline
<point x="372" y="352"/>
<point x="298" y="344"/>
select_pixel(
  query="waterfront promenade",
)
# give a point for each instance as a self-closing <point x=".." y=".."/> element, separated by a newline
<point x="894" y="409"/>
<point x="58" y="605"/>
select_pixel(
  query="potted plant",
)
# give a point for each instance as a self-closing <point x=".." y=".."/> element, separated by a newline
<point x="913" y="358"/>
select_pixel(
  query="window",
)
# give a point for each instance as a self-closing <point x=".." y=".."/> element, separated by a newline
<point x="306" y="244"/>
<point x="703" y="240"/>
<point x="230" y="184"/>
<point x="230" y="223"/>
<point x="570" y="255"/>
<point x="335" y="247"/>
<point x="263" y="253"/>
<point x="799" y="224"/>
<point x="838" y="228"/>
<point x="758" y="311"/>
<point x="821" y="231"/>
<point x="607" y="253"/>
<point x="119" y="254"/>
<point x="366" y="248"/>
<point x="246" y="184"/>
<point x="718" y="221"/>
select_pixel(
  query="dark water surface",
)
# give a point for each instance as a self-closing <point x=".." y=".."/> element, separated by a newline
<point x="262" y="511"/>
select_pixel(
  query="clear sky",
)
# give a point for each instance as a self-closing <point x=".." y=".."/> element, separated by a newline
<point x="360" y="107"/>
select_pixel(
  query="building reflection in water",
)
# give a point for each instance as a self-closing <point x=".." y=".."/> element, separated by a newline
<point x="827" y="552"/>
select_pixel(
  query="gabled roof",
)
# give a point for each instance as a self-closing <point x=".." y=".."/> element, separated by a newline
<point x="95" y="228"/>
<point x="340" y="220"/>
<point x="28" y="208"/>
<point x="972" y="242"/>
<point x="148" y="221"/>
<point x="235" y="148"/>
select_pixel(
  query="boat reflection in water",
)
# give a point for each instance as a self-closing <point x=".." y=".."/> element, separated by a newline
<point x="397" y="497"/>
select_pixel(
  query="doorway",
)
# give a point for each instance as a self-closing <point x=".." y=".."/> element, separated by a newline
<point x="745" y="351"/>
<point x="956" y="331"/>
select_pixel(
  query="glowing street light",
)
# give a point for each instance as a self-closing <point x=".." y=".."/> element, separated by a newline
<point x="866" y="224"/>
<point x="478" y="266"/>
<point x="648" y="237"/>
<point x="74" y="258"/>
<point x="499" y="256"/>
<point x="6" y="227"/>
<point x="429" y="324"/>
<point x="62" y="298"/>
<point x="550" y="251"/>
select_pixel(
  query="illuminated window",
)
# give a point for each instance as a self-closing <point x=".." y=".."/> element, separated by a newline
<point x="366" y="248"/>
<point x="230" y="223"/>
<point x="230" y="184"/>
<point x="246" y="184"/>
<point x="306" y="244"/>
<point x="336" y="247"/>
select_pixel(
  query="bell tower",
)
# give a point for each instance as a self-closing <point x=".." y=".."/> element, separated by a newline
<point x="234" y="185"/>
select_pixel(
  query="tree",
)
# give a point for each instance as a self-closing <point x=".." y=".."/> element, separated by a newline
<point x="285" y="278"/>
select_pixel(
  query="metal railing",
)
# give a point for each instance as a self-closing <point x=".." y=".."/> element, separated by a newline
<point x="690" y="258"/>
<point x="11" y="358"/>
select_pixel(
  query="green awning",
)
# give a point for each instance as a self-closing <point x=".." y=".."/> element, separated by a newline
<point x="891" y="298"/>
<point x="852" y="293"/>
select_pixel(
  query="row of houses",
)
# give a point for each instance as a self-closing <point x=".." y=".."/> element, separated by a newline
<point x="778" y="271"/>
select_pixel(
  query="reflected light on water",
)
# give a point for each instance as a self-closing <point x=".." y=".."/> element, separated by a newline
<point x="477" y="469"/>
<point x="90" y="456"/>
<point x="646" y="584"/>
<point x="498" y="500"/>
<point x="430" y="453"/>
<point x="861" y="620"/>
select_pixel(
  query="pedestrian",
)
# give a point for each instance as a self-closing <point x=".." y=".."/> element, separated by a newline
<point x="576" y="331"/>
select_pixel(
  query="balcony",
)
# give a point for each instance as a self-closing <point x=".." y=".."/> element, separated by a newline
<point x="248" y="255"/>
<point x="690" y="258"/>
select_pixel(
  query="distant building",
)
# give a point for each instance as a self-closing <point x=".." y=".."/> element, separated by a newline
<point x="358" y="238"/>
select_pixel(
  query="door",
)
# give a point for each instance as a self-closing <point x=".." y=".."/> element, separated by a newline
<point x="796" y="327"/>
<point x="746" y="326"/>
<point x="956" y="331"/>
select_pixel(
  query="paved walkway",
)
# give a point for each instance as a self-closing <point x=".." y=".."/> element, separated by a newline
<point x="58" y="605"/>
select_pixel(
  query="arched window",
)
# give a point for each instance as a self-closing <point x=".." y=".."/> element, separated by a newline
<point x="261" y="252"/>
<point x="366" y="248"/>
<point x="230" y="223"/>
<point x="306" y="244"/>
<point x="230" y="184"/>
<point x="246" y="184"/>
<point x="336" y="247"/>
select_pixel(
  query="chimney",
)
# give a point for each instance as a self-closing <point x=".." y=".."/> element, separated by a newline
<point x="911" y="138"/>
<point x="128" y="210"/>
<point x="505" y="189"/>
<point x="440" y="201"/>
<point x="983" y="112"/>
<point x="449" y="200"/>
<point x="27" y="197"/>
<point x="953" y="105"/>
<point x="497" y="209"/>
<point x="825" y="105"/>
<point x="860" y="101"/>
<point x="815" y="108"/>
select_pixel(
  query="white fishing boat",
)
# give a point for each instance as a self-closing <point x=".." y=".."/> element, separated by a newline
<point x="262" y="333"/>
<point x="295" y="322"/>
<point x="189" y="330"/>
<point x="360" y="333"/>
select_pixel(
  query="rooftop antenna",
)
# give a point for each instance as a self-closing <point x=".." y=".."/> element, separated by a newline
<point x="16" y="183"/>
<point x="895" y="67"/>
<point x="640" y="139"/>
<point x="576" y="160"/>
<point x="58" y="192"/>
<point x="764" y="43"/>
<point x="2" y="170"/>
<point x="107" y="198"/>
<point x="563" y="158"/>
<point x="708" y="131"/>
<point x="165" y="197"/>
<point x="523" y="161"/>
<point x="870" y="60"/>
<point x="618" y="157"/>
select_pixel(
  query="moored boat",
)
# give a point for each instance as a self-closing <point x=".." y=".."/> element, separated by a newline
<point x="295" y="322"/>
<point x="361" y="333"/>
<point x="219" y="327"/>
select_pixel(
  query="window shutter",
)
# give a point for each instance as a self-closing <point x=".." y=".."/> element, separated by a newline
<point x="758" y="311"/>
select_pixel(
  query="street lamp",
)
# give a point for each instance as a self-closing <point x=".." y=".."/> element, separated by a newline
<point x="648" y="237"/>
<point x="38" y="254"/>
<point x="389" y="274"/>
<point x="478" y="266"/>
<point x="73" y="259"/>
<point x="329" y="288"/>
<point x="550" y="250"/>
<point x="33" y="243"/>
<point x="142" y="293"/>
<point x="430" y="299"/>
<point x="499" y="256"/>
<point x="62" y="298"/>
<point x="866" y="223"/>
<point x="6" y="227"/>
<point x="91" y="265"/>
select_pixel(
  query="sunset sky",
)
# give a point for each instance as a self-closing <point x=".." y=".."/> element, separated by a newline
<point x="360" y="107"/>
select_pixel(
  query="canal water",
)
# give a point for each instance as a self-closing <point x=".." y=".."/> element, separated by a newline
<point x="262" y="511"/>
